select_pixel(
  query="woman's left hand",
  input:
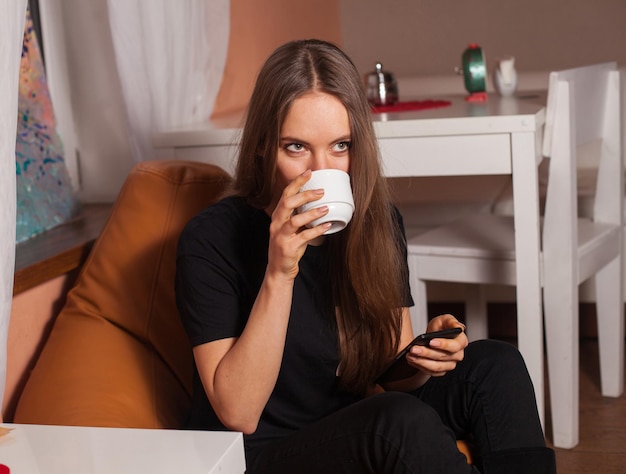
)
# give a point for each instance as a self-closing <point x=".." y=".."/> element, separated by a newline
<point x="441" y="355"/>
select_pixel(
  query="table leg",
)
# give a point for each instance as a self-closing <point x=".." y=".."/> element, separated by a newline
<point x="525" y="161"/>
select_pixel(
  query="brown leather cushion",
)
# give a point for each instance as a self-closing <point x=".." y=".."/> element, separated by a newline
<point x="466" y="449"/>
<point x="117" y="354"/>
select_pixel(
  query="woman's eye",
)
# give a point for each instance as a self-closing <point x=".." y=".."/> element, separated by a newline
<point x="342" y="146"/>
<point x="294" y="147"/>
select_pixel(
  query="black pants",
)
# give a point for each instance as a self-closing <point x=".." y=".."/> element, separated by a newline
<point x="489" y="398"/>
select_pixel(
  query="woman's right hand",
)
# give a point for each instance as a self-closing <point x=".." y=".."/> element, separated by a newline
<point x="289" y="235"/>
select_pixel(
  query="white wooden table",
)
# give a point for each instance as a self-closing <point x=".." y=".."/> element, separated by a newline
<point x="40" y="449"/>
<point x="501" y="136"/>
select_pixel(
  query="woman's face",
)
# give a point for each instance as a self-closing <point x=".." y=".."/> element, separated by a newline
<point x="315" y="135"/>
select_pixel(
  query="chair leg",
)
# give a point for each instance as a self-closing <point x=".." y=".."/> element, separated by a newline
<point x="419" y="312"/>
<point x="610" y="311"/>
<point x="476" y="312"/>
<point x="561" y="328"/>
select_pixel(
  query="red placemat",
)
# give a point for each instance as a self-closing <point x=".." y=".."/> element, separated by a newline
<point x="411" y="105"/>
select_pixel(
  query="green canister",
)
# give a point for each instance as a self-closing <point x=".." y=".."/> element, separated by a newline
<point x="475" y="71"/>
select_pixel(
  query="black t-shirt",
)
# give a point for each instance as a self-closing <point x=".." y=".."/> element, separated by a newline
<point x="222" y="257"/>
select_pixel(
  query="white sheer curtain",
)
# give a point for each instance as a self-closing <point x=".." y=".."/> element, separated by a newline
<point x="12" y="18"/>
<point x="170" y="56"/>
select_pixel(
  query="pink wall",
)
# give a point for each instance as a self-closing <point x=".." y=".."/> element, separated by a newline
<point x="32" y="314"/>
<point x="257" y="28"/>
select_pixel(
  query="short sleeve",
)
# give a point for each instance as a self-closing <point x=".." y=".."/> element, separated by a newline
<point x="219" y="267"/>
<point x="402" y="243"/>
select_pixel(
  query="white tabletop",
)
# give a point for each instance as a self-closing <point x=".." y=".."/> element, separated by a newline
<point x="35" y="449"/>
<point x="496" y="115"/>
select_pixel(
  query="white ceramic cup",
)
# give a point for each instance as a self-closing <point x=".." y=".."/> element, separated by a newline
<point x="337" y="196"/>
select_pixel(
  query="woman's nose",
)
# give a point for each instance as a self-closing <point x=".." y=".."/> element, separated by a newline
<point x="320" y="162"/>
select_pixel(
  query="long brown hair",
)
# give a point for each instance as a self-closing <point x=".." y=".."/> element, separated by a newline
<point x="365" y="258"/>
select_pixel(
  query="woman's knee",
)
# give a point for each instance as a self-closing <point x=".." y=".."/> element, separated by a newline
<point x="497" y="360"/>
<point x="495" y="352"/>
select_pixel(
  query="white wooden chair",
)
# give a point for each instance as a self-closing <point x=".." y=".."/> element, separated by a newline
<point x="583" y="106"/>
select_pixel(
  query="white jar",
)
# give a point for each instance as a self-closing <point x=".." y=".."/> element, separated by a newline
<point x="505" y="76"/>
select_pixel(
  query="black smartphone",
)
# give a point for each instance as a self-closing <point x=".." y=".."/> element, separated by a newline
<point x="399" y="368"/>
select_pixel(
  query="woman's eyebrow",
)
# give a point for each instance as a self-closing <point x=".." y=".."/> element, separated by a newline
<point x="288" y="139"/>
<point x="344" y="138"/>
<point x="294" y="140"/>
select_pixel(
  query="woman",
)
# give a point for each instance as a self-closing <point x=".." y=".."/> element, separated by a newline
<point x="290" y="327"/>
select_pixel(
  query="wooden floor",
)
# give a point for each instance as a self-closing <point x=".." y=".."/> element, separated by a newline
<point x="602" y="446"/>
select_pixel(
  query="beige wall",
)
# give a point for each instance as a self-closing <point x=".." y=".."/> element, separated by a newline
<point x="417" y="37"/>
<point x="425" y="37"/>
